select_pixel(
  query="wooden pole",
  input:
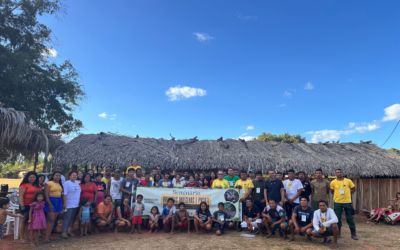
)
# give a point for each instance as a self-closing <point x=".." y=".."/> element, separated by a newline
<point x="85" y="169"/>
<point x="47" y="151"/>
<point x="36" y="161"/>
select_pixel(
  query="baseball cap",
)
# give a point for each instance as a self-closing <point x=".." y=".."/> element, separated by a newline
<point x="117" y="170"/>
<point x="252" y="171"/>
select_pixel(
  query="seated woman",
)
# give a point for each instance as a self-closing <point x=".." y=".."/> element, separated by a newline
<point x="202" y="218"/>
<point x="379" y="211"/>
<point x="123" y="215"/>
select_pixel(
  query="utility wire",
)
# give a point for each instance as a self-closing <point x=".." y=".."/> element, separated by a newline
<point x="391" y="133"/>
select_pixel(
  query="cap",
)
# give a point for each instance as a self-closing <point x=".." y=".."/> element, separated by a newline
<point x="252" y="171"/>
<point x="117" y="170"/>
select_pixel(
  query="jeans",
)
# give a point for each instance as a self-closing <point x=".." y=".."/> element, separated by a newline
<point x="69" y="218"/>
<point x="338" y="208"/>
<point x="289" y="209"/>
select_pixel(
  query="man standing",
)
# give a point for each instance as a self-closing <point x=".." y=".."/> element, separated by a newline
<point x="153" y="173"/>
<point x="134" y="166"/>
<point x="231" y="178"/>
<point x="306" y="192"/>
<point x="293" y="189"/>
<point x="246" y="189"/>
<point x="319" y="189"/>
<point x="185" y="176"/>
<point x="279" y="176"/>
<point x="325" y="225"/>
<point x="258" y="191"/>
<point x="146" y="182"/>
<point x="220" y="182"/>
<point x="139" y="175"/>
<point x="252" y="174"/>
<point x="342" y="189"/>
<point x="128" y="186"/>
<point x="273" y="189"/>
<point x="251" y="217"/>
<point x="302" y="219"/>
<point x="58" y="168"/>
<point x="236" y="173"/>
<point x="114" y="188"/>
<point x="107" y="177"/>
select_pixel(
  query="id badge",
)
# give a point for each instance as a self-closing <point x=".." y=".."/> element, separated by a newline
<point x="127" y="184"/>
<point x="324" y="228"/>
<point x="290" y="188"/>
<point x="222" y="218"/>
<point x="258" y="190"/>
<point x="243" y="191"/>
<point x="231" y="183"/>
<point x="341" y="191"/>
<point x="303" y="218"/>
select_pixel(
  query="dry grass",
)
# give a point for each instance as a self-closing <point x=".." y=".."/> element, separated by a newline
<point x="12" y="183"/>
<point x="371" y="237"/>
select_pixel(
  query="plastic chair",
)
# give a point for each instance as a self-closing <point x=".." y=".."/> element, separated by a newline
<point x="10" y="219"/>
<point x="14" y="201"/>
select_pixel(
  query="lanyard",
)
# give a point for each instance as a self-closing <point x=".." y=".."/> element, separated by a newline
<point x="323" y="220"/>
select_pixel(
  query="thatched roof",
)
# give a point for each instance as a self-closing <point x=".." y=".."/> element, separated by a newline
<point x="117" y="151"/>
<point x="18" y="136"/>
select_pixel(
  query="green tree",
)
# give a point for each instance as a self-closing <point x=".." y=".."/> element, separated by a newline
<point x="286" y="137"/>
<point x="395" y="150"/>
<point x="29" y="79"/>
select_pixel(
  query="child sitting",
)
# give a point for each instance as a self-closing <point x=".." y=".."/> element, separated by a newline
<point x="37" y="220"/>
<point x="154" y="216"/>
<point x="183" y="218"/>
<point x="202" y="218"/>
<point x="219" y="218"/>
<point x="84" y="213"/>
<point x="4" y="205"/>
<point x="137" y="209"/>
<point x="169" y="216"/>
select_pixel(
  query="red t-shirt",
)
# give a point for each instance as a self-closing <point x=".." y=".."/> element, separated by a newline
<point x="30" y="192"/>
<point x="192" y="185"/>
<point x="88" y="191"/>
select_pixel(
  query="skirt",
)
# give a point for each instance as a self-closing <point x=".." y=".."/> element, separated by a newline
<point x="57" y="205"/>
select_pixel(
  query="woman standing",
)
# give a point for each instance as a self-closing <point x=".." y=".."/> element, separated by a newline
<point x="80" y="176"/>
<point x="54" y="202"/>
<point x="123" y="215"/>
<point x="192" y="182"/>
<point x="177" y="182"/>
<point x="157" y="178"/>
<point x="27" y="190"/>
<point x="42" y="179"/>
<point x="213" y="176"/>
<point x="88" y="190"/>
<point x="201" y="176"/>
<point x="72" y="194"/>
<point x="91" y="172"/>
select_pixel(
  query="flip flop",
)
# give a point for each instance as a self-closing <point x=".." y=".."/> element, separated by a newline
<point x="289" y="240"/>
<point x="332" y="247"/>
<point x="328" y="241"/>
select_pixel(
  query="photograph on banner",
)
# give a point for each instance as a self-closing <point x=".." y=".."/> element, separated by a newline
<point x="192" y="197"/>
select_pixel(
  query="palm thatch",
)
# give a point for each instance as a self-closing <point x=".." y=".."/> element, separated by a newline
<point x="18" y="136"/>
<point x="117" y="151"/>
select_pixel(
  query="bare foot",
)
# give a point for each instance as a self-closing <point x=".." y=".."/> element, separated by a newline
<point x="285" y="238"/>
<point x="26" y="242"/>
<point x="334" y="246"/>
<point x="116" y="231"/>
<point x="172" y="232"/>
<point x="189" y="232"/>
<point x="197" y="232"/>
<point x="270" y="236"/>
<point x="150" y="231"/>
<point x="33" y="244"/>
<point x="291" y="239"/>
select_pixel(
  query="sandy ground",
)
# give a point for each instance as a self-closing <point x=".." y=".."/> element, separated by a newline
<point x="371" y="237"/>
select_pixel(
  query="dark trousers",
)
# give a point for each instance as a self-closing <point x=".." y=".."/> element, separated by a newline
<point x="338" y="208"/>
<point x="289" y="209"/>
<point x="260" y="206"/>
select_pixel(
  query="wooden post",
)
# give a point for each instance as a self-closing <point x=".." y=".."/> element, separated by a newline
<point x="85" y="169"/>
<point x="47" y="151"/>
<point x="97" y="169"/>
<point x="36" y="161"/>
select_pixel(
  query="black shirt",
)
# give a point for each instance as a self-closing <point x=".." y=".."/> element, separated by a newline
<point x="101" y="186"/>
<point x="304" y="217"/>
<point x="307" y="189"/>
<point x="219" y="216"/>
<point x="251" y="213"/>
<point x="274" y="190"/>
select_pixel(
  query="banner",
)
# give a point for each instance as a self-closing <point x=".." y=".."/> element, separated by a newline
<point x="192" y="197"/>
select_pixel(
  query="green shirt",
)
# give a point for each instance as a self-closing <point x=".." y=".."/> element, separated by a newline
<point x="232" y="181"/>
<point x="258" y="190"/>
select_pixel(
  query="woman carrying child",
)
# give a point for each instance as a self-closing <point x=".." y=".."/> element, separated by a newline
<point x="37" y="220"/>
<point x="123" y="214"/>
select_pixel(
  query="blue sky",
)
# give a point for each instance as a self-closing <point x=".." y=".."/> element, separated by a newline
<point x="324" y="69"/>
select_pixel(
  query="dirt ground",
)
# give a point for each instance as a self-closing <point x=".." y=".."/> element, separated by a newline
<point x="371" y="237"/>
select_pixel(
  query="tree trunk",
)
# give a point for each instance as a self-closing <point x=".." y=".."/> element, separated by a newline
<point x="85" y="169"/>
<point x="36" y="161"/>
<point x="47" y="151"/>
<point x="97" y="169"/>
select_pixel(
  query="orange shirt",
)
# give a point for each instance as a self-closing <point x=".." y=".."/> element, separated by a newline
<point x="30" y="192"/>
<point x="102" y="209"/>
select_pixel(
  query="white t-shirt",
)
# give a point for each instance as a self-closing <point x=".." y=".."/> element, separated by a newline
<point x="62" y="179"/>
<point x="114" y="188"/>
<point x="291" y="188"/>
<point x="72" y="192"/>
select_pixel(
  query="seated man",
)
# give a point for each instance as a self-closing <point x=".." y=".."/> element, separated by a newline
<point x="325" y="224"/>
<point x="274" y="218"/>
<point x="102" y="214"/>
<point x="302" y="219"/>
<point x="251" y="217"/>
<point x="169" y="216"/>
<point x="219" y="219"/>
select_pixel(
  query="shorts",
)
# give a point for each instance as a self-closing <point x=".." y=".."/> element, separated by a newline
<point x="25" y="212"/>
<point x="95" y="220"/>
<point x="253" y="223"/>
<point x="137" y="220"/>
<point x="183" y="225"/>
<point x="1" y="231"/>
<point x="218" y="226"/>
<point x="328" y="232"/>
<point x="57" y="205"/>
<point x="83" y="221"/>
<point x="278" y="226"/>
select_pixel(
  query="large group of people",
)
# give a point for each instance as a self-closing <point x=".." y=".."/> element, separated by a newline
<point x="291" y="206"/>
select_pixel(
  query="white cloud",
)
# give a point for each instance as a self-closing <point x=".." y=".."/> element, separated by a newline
<point x="239" y="15"/>
<point x="367" y="128"/>
<point x="351" y="125"/>
<point x="202" y="37"/>
<point x="112" y="118"/>
<point x="287" y="95"/>
<point x="328" y="135"/>
<point x="244" y="134"/>
<point x="282" y="105"/>
<point x="309" y="86"/>
<point x="250" y="127"/>
<point x="246" y="138"/>
<point x="103" y="115"/>
<point x="392" y="113"/>
<point x="50" y="52"/>
<point x="178" y="93"/>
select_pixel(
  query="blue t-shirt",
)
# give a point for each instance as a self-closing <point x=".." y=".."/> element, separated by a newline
<point x="85" y="212"/>
<point x="163" y="183"/>
<point x="166" y="211"/>
<point x="203" y="216"/>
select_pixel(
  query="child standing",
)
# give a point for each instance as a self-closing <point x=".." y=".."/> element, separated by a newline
<point x="154" y="216"/>
<point x="101" y="188"/>
<point x="137" y="208"/>
<point x="4" y="205"/>
<point x="397" y="199"/>
<point x="84" y="213"/>
<point x="37" y="220"/>
<point x="183" y="218"/>
<point x="169" y="216"/>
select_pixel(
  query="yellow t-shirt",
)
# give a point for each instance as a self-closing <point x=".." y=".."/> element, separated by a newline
<point x="245" y="185"/>
<point x="133" y="168"/>
<point x="104" y="180"/>
<point x="55" y="189"/>
<point x="346" y="184"/>
<point x="224" y="183"/>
